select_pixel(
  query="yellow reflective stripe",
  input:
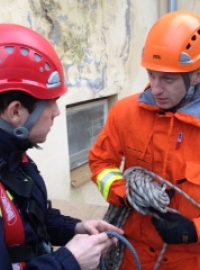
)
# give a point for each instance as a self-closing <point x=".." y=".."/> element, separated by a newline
<point x="102" y="174"/>
<point x="106" y="178"/>
<point x="108" y="185"/>
<point x="10" y="197"/>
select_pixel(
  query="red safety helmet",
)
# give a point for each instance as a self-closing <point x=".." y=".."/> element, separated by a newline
<point x="29" y="63"/>
<point x="173" y="43"/>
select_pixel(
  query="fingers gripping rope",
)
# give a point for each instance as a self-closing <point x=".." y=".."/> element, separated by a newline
<point x="128" y="245"/>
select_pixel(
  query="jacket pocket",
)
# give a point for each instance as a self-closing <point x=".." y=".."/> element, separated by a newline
<point x="136" y="157"/>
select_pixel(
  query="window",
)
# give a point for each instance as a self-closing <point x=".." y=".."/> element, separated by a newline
<point x="84" y="122"/>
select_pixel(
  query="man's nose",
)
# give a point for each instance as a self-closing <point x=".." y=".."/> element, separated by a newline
<point x="156" y="87"/>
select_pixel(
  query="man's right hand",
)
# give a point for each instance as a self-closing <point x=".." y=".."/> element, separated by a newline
<point x="87" y="249"/>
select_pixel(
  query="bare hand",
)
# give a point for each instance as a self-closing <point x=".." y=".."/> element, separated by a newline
<point x="95" y="227"/>
<point x="87" y="249"/>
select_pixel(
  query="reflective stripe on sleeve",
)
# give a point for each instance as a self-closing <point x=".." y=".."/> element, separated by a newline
<point x="106" y="178"/>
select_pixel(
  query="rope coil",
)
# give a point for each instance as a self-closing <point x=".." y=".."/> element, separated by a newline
<point x="147" y="193"/>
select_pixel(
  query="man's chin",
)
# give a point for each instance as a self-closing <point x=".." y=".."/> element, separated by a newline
<point x="38" y="141"/>
<point x="164" y="107"/>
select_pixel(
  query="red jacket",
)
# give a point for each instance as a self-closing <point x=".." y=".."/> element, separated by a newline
<point x="137" y="133"/>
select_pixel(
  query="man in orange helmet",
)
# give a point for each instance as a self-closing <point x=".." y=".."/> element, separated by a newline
<point x="156" y="135"/>
<point x="31" y="81"/>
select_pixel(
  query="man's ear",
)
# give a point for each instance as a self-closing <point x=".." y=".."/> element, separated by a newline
<point x="195" y="77"/>
<point x="15" y="114"/>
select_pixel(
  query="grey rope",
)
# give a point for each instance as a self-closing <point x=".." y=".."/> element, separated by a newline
<point x="129" y="246"/>
<point x="145" y="191"/>
<point x="155" y="179"/>
<point x="116" y="216"/>
<point x="161" y="256"/>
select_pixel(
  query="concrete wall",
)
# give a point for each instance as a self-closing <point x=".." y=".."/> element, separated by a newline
<point x="100" y="43"/>
<point x="193" y="5"/>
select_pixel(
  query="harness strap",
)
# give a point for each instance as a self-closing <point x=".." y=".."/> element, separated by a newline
<point x="13" y="226"/>
<point x="14" y="233"/>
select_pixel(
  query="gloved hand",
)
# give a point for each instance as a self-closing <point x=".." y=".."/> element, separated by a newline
<point x="175" y="229"/>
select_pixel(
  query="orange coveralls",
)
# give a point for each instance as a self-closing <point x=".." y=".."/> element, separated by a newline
<point x="167" y="143"/>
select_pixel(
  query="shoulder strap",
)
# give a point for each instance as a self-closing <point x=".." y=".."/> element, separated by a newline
<point x="12" y="221"/>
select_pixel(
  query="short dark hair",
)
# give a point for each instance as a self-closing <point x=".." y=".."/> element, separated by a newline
<point x="27" y="100"/>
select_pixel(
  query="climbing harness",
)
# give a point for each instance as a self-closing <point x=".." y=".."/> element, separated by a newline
<point x="121" y="238"/>
<point x="19" y="251"/>
<point x="147" y="193"/>
<point x="12" y="223"/>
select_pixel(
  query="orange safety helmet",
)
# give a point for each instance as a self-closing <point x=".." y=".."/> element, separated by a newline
<point x="173" y="43"/>
<point x="29" y="63"/>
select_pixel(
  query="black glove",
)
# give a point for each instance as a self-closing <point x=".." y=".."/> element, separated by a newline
<point x="175" y="229"/>
<point x="171" y="193"/>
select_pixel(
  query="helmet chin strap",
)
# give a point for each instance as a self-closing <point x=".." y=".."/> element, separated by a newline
<point x="23" y="132"/>
<point x="190" y="88"/>
<point x="187" y="98"/>
<point x="190" y="93"/>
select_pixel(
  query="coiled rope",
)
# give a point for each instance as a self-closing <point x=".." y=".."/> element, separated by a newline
<point x="147" y="193"/>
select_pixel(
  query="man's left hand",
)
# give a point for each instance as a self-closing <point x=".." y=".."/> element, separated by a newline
<point x="175" y="229"/>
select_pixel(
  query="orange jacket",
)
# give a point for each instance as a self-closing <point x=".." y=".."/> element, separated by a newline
<point x="166" y="143"/>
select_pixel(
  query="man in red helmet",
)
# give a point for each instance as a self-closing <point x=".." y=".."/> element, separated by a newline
<point x="31" y="81"/>
<point x="155" y="136"/>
